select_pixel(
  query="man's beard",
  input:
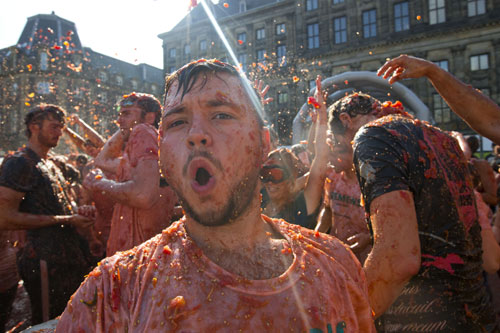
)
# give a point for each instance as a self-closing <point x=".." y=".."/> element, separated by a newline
<point x="43" y="139"/>
<point x="240" y="197"/>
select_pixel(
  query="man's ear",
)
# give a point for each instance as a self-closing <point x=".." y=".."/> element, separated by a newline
<point x="346" y="120"/>
<point x="34" y="128"/>
<point x="266" y="143"/>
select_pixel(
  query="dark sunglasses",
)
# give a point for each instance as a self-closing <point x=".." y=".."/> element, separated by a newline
<point x="274" y="174"/>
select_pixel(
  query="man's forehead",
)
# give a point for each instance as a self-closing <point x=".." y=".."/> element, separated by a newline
<point x="217" y="86"/>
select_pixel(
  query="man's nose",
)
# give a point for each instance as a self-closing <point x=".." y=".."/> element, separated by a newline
<point x="198" y="136"/>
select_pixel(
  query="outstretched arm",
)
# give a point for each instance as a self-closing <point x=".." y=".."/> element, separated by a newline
<point x="480" y="112"/>
<point x="12" y="219"/>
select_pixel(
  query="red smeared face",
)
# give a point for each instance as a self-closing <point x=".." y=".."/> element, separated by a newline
<point x="211" y="149"/>
<point x="341" y="153"/>
<point x="129" y="117"/>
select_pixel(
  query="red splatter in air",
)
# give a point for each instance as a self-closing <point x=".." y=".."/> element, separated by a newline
<point x="192" y="4"/>
<point x="346" y="82"/>
<point x="296" y="79"/>
<point x="57" y="47"/>
<point x="30" y="67"/>
<point x="226" y="5"/>
<point x="312" y="101"/>
<point x="240" y="41"/>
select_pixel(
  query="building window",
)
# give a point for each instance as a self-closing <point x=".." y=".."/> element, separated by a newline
<point x="401" y="16"/>
<point x="154" y="89"/>
<point x="442" y="113"/>
<point x="479" y="62"/>
<point x="260" y="33"/>
<point x="134" y="84"/>
<point x="313" y="36"/>
<point x="280" y="29"/>
<point x="443" y="64"/>
<point x="335" y="2"/>
<point x="243" y="6"/>
<point x="476" y="7"/>
<point x="171" y="53"/>
<point x="261" y="55"/>
<point x="242" y="38"/>
<point x="43" y="88"/>
<point x="437" y="12"/>
<point x="281" y="55"/>
<point x="242" y="59"/>
<point x="370" y="23"/>
<point x="340" y="29"/>
<point x="44" y="61"/>
<point x="103" y="76"/>
<point x="187" y="49"/>
<point x="203" y="45"/>
<point x="119" y="80"/>
<point x="171" y="69"/>
<point x="311" y="4"/>
<point x="282" y="97"/>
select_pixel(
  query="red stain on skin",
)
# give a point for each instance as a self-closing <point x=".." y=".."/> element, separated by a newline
<point x="405" y="196"/>
<point x="221" y="97"/>
<point x="443" y="263"/>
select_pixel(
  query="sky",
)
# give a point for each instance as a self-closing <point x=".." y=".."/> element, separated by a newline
<point x="123" y="29"/>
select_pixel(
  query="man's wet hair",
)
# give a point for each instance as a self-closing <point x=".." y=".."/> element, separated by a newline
<point x="190" y="73"/>
<point x="146" y="102"/>
<point x="39" y="113"/>
<point x="354" y="104"/>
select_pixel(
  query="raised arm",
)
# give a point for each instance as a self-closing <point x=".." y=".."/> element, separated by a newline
<point x="109" y="157"/>
<point x="314" y="187"/>
<point x="90" y="133"/>
<point x="480" y="112"/>
<point x="394" y="259"/>
<point x="12" y="219"/>
<point x="77" y="140"/>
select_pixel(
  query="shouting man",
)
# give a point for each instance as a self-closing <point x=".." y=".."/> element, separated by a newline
<point x="224" y="266"/>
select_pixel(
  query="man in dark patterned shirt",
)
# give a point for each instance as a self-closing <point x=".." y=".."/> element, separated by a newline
<point x="424" y="272"/>
<point x="34" y="196"/>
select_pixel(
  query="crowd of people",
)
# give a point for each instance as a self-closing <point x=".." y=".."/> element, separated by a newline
<point x="191" y="218"/>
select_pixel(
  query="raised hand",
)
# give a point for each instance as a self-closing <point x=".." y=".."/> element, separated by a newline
<point x="404" y="67"/>
<point x="258" y="84"/>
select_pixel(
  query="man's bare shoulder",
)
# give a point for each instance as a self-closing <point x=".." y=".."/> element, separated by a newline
<point x="144" y="130"/>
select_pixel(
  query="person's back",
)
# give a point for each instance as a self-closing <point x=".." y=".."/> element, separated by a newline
<point x="448" y="292"/>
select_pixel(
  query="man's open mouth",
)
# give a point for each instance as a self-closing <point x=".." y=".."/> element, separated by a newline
<point x="202" y="176"/>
